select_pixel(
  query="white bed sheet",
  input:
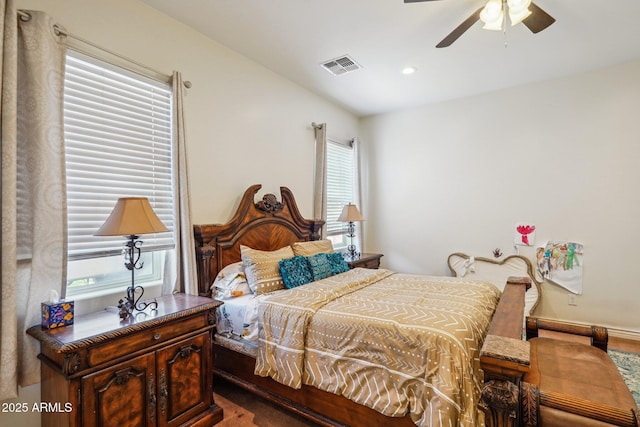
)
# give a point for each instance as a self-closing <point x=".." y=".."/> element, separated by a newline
<point x="238" y="317"/>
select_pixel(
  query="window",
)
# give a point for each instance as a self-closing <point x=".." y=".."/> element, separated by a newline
<point x="118" y="139"/>
<point x="340" y="189"/>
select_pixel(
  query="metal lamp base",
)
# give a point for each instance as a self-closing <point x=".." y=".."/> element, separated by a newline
<point x="351" y="254"/>
<point x="130" y="303"/>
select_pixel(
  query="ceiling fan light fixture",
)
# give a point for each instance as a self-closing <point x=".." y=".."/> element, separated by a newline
<point x="492" y="15"/>
<point x="518" y="4"/>
<point x="518" y="10"/>
<point x="518" y="18"/>
<point x="494" y="25"/>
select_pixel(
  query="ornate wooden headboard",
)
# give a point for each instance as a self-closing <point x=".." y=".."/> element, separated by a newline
<point x="266" y="225"/>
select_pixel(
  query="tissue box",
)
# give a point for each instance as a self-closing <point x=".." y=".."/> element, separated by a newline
<point x="57" y="314"/>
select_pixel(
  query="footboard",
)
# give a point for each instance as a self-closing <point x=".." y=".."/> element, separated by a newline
<point x="321" y="407"/>
<point x="505" y="358"/>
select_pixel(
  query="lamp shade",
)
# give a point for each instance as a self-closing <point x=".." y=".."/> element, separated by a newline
<point x="350" y="213"/>
<point x="131" y="216"/>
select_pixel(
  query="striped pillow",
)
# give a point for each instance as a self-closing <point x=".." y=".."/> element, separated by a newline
<point x="312" y="247"/>
<point x="262" y="270"/>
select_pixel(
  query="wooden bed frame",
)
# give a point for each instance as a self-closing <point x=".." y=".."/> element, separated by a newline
<point x="271" y="224"/>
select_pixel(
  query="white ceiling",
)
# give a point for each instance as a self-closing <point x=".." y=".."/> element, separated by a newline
<point x="294" y="37"/>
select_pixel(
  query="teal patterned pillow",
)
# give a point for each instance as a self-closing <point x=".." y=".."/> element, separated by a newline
<point x="320" y="266"/>
<point x="295" y="271"/>
<point x="337" y="263"/>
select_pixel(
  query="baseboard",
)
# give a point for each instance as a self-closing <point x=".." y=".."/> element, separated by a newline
<point x="627" y="335"/>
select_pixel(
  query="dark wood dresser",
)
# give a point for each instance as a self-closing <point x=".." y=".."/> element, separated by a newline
<point x="147" y="370"/>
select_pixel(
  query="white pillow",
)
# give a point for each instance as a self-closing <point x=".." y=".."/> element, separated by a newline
<point x="231" y="282"/>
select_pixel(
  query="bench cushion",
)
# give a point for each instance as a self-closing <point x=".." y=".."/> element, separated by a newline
<point x="577" y="370"/>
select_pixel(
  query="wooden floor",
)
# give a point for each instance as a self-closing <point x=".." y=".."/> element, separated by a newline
<point x="242" y="409"/>
<point x="632" y="346"/>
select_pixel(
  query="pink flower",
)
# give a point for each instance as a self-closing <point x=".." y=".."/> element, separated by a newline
<point x="525" y="230"/>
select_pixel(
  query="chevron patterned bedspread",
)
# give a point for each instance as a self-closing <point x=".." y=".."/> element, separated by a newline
<point x="395" y="342"/>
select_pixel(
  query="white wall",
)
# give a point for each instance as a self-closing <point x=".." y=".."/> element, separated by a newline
<point x="561" y="154"/>
<point x="245" y="124"/>
<point x="449" y="177"/>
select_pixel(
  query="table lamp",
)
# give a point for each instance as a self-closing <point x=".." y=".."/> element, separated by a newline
<point x="350" y="214"/>
<point x="131" y="217"/>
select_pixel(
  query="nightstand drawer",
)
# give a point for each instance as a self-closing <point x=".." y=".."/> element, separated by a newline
<point x="372" y="263"/>
<point x="366" y="261"/>
<point x="102" y="353"/>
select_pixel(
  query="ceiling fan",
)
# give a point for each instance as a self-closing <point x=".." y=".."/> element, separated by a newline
<point x="493" y="14"/>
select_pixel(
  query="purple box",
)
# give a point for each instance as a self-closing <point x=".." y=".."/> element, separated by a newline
<point x="57" y="314"/>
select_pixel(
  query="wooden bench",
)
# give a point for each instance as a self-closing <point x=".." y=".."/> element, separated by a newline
<point x="549" y="382"/>
<point x="573" y="383"/>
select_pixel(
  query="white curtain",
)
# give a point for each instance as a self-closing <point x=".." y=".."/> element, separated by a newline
<point x="34" y="238"/>
<point x="182" y="259"/>
<point x="357" y="194"/>
<point x="320" y="179"/>
<point x="8" y="316"/>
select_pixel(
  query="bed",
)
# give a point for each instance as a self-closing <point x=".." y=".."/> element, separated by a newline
<point x="391" y="369"/>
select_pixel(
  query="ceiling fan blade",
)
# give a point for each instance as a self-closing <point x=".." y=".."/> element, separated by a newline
<point x="460" y="29"/>
<point x="538" y="20"/>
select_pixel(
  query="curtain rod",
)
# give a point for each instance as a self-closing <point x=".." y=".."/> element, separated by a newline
<point x="60" y="31"/>
<point x="348" y="142"/>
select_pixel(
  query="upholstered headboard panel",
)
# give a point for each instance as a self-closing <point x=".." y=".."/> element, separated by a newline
<point x="497" y="272"/>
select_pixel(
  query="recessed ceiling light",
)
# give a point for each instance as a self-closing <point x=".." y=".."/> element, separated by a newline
<point x="408" y="70"/>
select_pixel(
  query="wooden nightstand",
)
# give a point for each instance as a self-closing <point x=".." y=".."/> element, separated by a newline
<point x="366" y="261"/>
<point x="150" y="369"/>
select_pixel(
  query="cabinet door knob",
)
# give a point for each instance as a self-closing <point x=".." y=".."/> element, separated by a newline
<point x="156" y="336"/>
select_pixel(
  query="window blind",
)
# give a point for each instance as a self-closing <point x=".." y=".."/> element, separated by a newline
<point x="118" y="132"/>
<point x="340" y="183"/>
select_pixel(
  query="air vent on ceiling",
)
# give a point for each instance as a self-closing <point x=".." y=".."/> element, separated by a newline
<point x="341" y="65"/>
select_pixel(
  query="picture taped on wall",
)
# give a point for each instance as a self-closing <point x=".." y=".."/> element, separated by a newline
<point x="525" y="234"/>
<point x="561" y="262"/>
